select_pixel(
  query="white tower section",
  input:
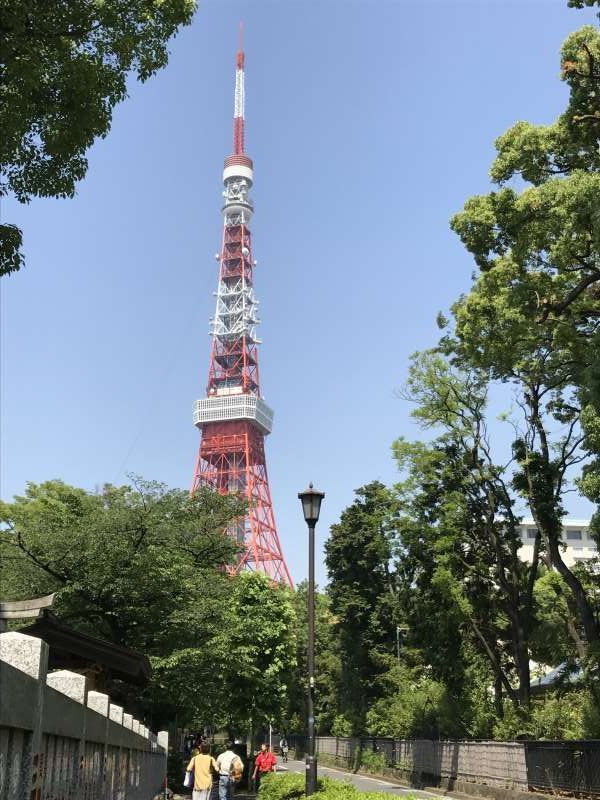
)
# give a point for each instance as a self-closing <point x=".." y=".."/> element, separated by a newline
<point x="236" y="307"/>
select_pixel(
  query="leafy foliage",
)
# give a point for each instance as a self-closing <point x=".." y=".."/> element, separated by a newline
<point x="141" y="566"/>
<point x="327" y="664"/>
<point x="362" y="595"/>
<point x="415" y="705"/>
<point x="275" y="786"/>
<point x="261" y="641"/>
<point x="64" y="68"/>
<point x="531" y="318"/>
<point x="438" y="558"/>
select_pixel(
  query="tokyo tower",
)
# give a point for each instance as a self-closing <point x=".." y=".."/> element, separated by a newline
<point x="233" y="417"/>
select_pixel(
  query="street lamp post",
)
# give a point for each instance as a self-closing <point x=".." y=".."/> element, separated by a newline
<point x="311" y="506"/>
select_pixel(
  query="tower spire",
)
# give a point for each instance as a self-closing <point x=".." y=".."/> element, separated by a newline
<point x="233" y="418"/>
<point x="239" y="101"/>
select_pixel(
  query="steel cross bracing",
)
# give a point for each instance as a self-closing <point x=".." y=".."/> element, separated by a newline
<point x="233" y="418"/>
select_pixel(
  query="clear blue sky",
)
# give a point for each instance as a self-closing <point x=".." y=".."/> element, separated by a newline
<point x="369" y="124"/>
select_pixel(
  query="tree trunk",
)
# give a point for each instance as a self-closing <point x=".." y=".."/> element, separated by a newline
<point x="498" y="705"/>
<point x="521" y="649"/>
<point x="586" y="612"/>
<point x="496" y="666"/>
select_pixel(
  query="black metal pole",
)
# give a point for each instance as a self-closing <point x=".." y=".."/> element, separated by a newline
<point x="311" y="758"/>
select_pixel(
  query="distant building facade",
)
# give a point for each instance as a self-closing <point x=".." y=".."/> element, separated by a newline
<point x="576" y="535"/>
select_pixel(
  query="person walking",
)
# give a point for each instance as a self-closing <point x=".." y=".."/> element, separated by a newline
<point x="230" y="767"/>
<point x="202" y="765"/>
<point x="285" y="748"/>
<point x="265" y="762"/>
<point x="199" y="741"/>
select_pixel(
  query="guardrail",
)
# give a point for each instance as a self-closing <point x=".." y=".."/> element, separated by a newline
<point x="60" y="740"/>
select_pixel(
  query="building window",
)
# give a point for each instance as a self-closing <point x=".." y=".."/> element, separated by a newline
<point x="574" y="536"/>
<point x="531" y="533"/>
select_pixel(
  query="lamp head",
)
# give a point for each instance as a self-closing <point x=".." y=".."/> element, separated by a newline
<point x="311" y="504"/>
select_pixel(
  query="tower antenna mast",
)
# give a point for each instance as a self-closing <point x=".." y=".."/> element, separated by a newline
<point x="239" y="97"/>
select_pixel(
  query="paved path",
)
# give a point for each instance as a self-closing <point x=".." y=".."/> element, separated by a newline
<point x="360" y="781"/>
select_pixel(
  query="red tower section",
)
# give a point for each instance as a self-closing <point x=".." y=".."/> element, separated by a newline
<point x="233" y="418"/>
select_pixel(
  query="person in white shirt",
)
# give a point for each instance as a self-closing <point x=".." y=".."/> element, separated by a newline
<point x="230" y="767"/>
<point x="284" y="747"/>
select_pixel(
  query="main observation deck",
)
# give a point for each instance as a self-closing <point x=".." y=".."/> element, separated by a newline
<point x="226" y="408"/>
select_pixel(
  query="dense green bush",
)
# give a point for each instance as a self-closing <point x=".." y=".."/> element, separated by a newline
<point x="556" y="715"/>
<point x="373" y="762"/>
<point x="281" y="787"/>
<point x="341" y="726"/>
<point x="414" y="706"/>
<point x="291" y="787"/>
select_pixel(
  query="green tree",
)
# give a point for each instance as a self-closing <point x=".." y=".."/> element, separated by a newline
<point x="64" y="68"/>
<point x="362" y="594"/>
<point x="555" y="636"/>
<point x="327" y="663"/>
<point x="261" y="644"/>
<point x="138" y="565"/>
<point x="462" y="498"/>
<point x="414" y="705"/>
<point x="531" y="317"/>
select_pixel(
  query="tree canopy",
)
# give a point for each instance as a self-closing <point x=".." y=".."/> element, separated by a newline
<point x="65" y="66"/>
<point x="142" y="566"/>
<point x="434" y="565"/>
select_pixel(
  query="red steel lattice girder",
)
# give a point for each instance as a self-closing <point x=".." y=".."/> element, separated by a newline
<point x="232" y="459"/>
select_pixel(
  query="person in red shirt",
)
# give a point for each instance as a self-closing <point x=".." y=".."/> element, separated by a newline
<point x="265" y="762"/>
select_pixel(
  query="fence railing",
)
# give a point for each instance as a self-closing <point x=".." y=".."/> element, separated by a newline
<point x="566" y="766"/>
<point x="60" y="740"/>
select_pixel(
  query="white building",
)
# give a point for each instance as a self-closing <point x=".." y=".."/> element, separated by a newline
<point x="576" y="536"/>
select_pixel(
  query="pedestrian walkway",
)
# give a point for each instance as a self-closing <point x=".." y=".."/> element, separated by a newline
<point x="362" y="782"/>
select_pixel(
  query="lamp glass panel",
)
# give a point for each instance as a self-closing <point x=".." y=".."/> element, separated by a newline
<point x="311" y="505"/>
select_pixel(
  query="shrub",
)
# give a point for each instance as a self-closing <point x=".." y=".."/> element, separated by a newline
<point x="342" y="726"/>
<point x="420" y="707"/>
<point x="281" y="787"/>
<point x="560" y="716"/>
<point x="291" y="787"/>
<point x="555" y="715"/>
<point x="373" y="762"/>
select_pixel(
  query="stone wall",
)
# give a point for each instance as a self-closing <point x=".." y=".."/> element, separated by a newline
<point x="60" y="741"/>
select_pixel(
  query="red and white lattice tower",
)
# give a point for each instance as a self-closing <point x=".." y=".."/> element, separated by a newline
<point x="233" y="418"/>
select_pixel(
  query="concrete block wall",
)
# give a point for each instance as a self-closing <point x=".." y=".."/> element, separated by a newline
<point x="60" y="741"/>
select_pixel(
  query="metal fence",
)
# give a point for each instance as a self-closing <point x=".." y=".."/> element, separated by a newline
<point x="564" y="766"/>
<point x="572" y="767"/>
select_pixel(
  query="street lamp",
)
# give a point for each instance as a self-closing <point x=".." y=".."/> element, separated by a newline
<point x="311" y="506"/>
